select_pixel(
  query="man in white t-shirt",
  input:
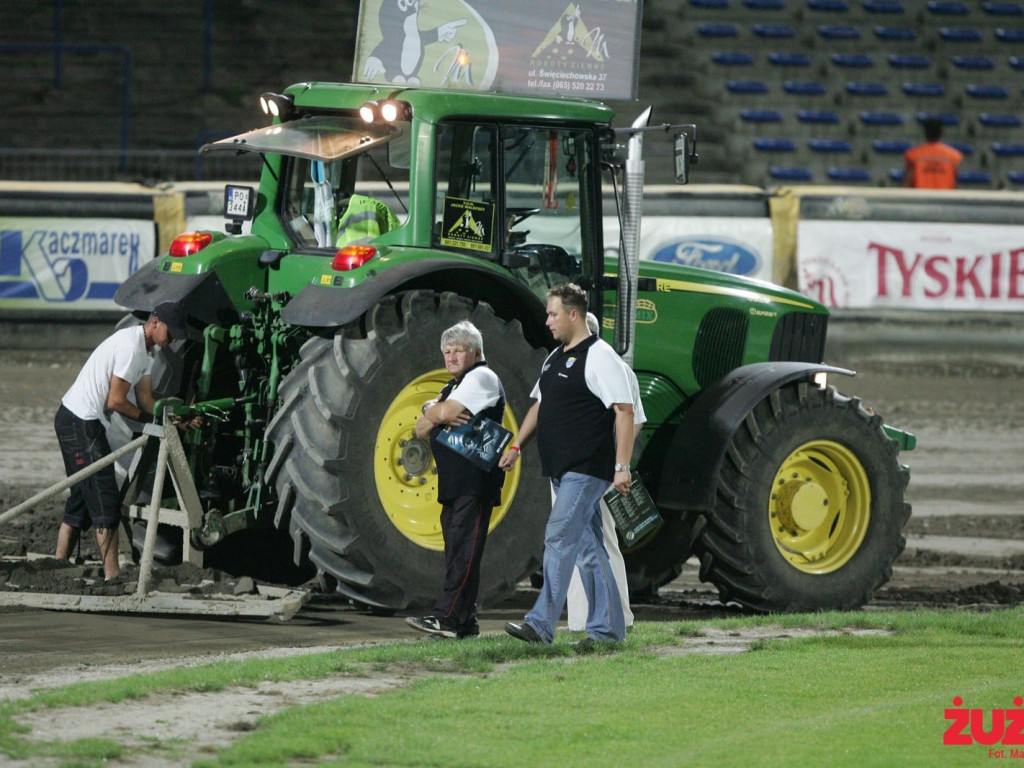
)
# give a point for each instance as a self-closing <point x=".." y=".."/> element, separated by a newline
<point x="102" y="387"/>
<point x="583" y="417"/>
<point x="466" y="492"/>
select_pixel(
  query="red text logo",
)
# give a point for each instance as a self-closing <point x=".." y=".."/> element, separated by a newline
<point x="968" y="726"/>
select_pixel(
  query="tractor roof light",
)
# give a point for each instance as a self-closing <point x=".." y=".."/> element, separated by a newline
<point x="369" y="111"/>
<point x="352" y="257"/>
<point x="277" y="105"/>
<point x="394" y="110"/>
<point x="188" y="243"/>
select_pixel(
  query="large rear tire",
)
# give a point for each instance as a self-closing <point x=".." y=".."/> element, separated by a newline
<point x="358" y="491"/>
<point x="810" y="505"/>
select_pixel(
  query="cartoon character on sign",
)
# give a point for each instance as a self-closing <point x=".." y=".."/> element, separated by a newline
<point x="399" y="55"/>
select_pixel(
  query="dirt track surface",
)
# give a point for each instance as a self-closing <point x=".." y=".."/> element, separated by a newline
<point x="965" y="538"/>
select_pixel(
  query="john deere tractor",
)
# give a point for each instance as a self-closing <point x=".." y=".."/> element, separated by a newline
<point x="382" y="217"/>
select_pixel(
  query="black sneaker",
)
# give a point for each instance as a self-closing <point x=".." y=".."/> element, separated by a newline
<point x="523" y="632"/>
<point x="431" y="625"/>
<point x="468" y="630"/>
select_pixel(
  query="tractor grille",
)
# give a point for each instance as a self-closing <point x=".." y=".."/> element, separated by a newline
<point x="719" y="345"/>
<point x="800" y="337"/>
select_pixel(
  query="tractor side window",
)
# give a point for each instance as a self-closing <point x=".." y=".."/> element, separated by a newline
<point x="545" y="205"/>
<point x="465" y="204"/>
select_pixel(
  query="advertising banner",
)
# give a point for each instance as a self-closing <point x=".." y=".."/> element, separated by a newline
<point x="911" y="265"/>
<point x="70" y="263"/>
<point x="737" y="245"/>
<point x="535" y="47"/>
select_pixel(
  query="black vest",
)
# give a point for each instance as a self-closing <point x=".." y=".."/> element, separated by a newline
<point x="457" y="476"/>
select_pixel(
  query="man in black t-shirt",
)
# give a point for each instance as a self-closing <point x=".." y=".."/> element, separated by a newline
<point x="467" y="493"/>
<point x="583" y="416"/>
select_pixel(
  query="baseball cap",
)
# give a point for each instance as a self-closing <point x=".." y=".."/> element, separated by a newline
<point x="173" y="316"/>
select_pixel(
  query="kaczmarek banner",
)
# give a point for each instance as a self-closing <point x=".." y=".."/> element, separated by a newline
<point x="536" y="47"/>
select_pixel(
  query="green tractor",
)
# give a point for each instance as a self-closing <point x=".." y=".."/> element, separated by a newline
<point x="382" y="217"/>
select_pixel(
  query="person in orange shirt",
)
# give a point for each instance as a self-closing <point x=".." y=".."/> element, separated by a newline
<point x="931" y="165"/>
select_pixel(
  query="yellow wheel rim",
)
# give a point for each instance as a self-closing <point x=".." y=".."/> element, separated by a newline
<point x="404" y="470"/>
<point x="820" y="507"/>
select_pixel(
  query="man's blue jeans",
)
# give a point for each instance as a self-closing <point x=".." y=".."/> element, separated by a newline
<point x="574" y="530"/>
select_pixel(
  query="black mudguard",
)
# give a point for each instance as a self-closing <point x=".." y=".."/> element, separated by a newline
<point x="689" y="475"/>
<point x="202" y="295"/>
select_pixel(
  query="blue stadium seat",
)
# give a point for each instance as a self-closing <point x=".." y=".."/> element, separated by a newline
<point x="765" y="5"/>
<point x="973" y="62"/>
<point x="714" y="4"/>
<point x="804" y="88"/>
<point x="852" y="60"/>
<point x="1015" y="177"/>
<point x="831" y="146"/>
<point x="895" y="33"/>
<point x="1010" y="35"/>
<point x="765" y="144"/>
<point x="717" y="30"/>
<point x="818" y="116"/>
<point x="1003" y="9"/>
<point x="867" y="89"/>
<point x="931" y="90"/>
<point x="976" y="91"/>
<point x="746" y="87"/>
<point x="909" y="61"/>
<point x="960" y="35"/>
<point x="999" y="120"/>
<point x="947" y="8"/>
<point x="897" y="174"/>
<point x="848" y="175"/>
<point x="1003" y="149"/>
<point x="946" y="118"/>
<point x="732" y="58"/>
<point x="1017" y="62"/>
<point x="790" y="173"/>
<point x="869" y="117"/>
<point x="838" y="33"/>
<point x="963" y="147"/>
<point x="760" y="116"/>
<point x="965" y="178"/>
<point x="883" y="6"/>
<point x="833" y="6"/>
<point x="891" y="146"/>
<point x="789" y="59"/>
<point x="774" y="31"/>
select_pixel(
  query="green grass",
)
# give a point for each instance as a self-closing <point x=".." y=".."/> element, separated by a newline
<point x="844" y="699"/>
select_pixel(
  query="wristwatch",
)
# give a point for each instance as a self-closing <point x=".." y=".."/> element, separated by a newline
<point x="622" y="467"/>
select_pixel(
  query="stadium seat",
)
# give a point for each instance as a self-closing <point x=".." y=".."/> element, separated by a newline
<point x="804" y="88"/>
<point x="883" y="6"/>
<point x="774" y="31"/>
<point x="832" y="6"/>
<point x="891" y="34"/>
<point x="1003" y="9"/>
<point x="789" y="59"/>
<point x="789" y="173"/>
<point x="848" y="175"/>
<point x="830" y="146"/>
<point x="717" y="30"/>
<point x="746" y="87"/>
<point x="867" y="89"/>
<point x="1015" y="177"/>
<point x="732" y="58"/>
<point x="1017" y="62"/>
<point x="973" y="63"/>
<point x="1010" y="35"/>
<point x="760" y="116"/>
<point x="765" y="5"/>
<point x="960" y="35"/>
<point x="710" y="4"/>
<point x="963" y="147"/>
<point x="999" y="120"/>
<point x="947" y="8"/>
<point x="1002" y="149"/>
<point x="764" y="144"/>
<point x="891" y="146"/>
<point x="965" y="178"/>
<point x="838" y="33"/>
<point x="869" y="117"/>
<point x="897" y="174"/>
<point x="852" y="60"/>
<point x="986" y="91"/>
<point x="909" y="61"/>
<point x="818" y="116"/>
<point x="930" y="90"/>
<point x="947" y="119"/>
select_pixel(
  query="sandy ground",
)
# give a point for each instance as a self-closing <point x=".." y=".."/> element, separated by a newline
<point x="965" y="548"/>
